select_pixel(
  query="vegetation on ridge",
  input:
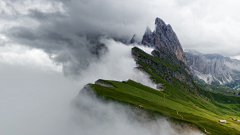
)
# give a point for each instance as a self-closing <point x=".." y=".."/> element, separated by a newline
<point x="178" y="100"/>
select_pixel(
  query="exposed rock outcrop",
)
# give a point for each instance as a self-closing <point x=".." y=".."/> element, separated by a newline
<point x="103" y="83"/>
<point x="133" y="40"/>
<point x="173" y="62"/>
<point x="169" y="67"/>
<point x="164" y="39"/>
<point x="213" y="68"/>
<point x="147" y="37"/>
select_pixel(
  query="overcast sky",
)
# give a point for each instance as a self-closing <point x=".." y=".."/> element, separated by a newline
<point x="40" y="40"/>
<point x="207" y="26"/>
<point x="67" y="30"/>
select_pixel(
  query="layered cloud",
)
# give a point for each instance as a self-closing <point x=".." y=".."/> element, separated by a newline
<point x="68" y="31"/>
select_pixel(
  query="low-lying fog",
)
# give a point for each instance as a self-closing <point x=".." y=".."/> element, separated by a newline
<point x="39" y="101"/>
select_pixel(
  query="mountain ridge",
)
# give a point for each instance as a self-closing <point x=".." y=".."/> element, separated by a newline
<point x="164" y="38"/>
<point x="214" y="68"/>
<point x="180" y="97"/>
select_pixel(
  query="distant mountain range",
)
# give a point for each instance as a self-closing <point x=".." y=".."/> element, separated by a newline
<point x="214" y="69"/>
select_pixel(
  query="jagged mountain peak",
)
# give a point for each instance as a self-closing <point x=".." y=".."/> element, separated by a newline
<point x="164" y="39"/>
<point x="148" y="31"/>
<point x="147" y="37"/>
<point x="133" y="40"/>
<point x="159" y="22"/>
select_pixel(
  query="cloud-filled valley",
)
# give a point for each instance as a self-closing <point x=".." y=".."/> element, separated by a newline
<point x="49" y="50"/>
<point x="46" y="107"/>
<point x="68" y="31"/>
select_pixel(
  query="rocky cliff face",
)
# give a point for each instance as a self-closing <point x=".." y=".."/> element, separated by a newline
<point x="164" y="38"/>
<point x="168" y="59"/>
<point x="213" y="68"/>
<point x="163" y="64"/>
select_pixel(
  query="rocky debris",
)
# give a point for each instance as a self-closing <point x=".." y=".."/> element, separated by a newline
<point x="164" y="39"/>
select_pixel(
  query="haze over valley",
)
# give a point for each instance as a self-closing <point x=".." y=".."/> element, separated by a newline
<point x="104" y="67"/>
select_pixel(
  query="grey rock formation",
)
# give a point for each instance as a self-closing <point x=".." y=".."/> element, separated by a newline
<point x="133" y="40"/>
<point x="169" y="50"/>
<point x="148" y="35"/>
<point x="214" y="68"/>
<point x="165" y="39"/>
<point x="173" y="62"/>
<point x="169" y="69"/>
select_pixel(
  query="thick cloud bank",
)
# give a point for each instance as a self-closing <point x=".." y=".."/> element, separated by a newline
<point x="116" y="64"/>
<point x="69" y="30"/>
<point x="36" y="101"/>
<point x="94" y="116"/>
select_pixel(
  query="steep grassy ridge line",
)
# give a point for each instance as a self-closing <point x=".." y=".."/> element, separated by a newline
<point x="182" y="98"/>
<point x="164" y="64"/>
<point x="177" y="108"/>
<point x="198" y="93"/>
<point x="149" y="64"/>
<point x="220" y="104"/>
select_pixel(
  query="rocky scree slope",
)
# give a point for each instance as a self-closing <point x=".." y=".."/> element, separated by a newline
<point x="214" y="68"/>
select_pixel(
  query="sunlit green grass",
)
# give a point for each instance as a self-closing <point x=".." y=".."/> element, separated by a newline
<point x="193" y="104"/>
<point x="151" y="99"/>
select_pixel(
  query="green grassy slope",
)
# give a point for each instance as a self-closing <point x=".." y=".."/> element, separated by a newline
<point x="178" y="100"/>
<point x="180" y="105"/>
<point x="220" y="89"/>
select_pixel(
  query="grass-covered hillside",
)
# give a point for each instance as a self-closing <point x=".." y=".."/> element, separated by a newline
<point x="191" y="104"/>
<point x="196" y="109"/>
<point x="220" y="89"/>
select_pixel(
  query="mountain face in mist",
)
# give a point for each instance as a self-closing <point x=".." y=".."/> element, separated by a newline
<point x="214" y="68"/>
<point x="164" y="38"/>
<point x="173" y="62"/>
<point x="165" y="85"/>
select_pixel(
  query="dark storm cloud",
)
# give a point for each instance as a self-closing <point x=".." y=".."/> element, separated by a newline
<point x="70" y="36"/>
<point x="22" y="33"/>
<point x="72" y="51"/>
<point x="41" y="16"/>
